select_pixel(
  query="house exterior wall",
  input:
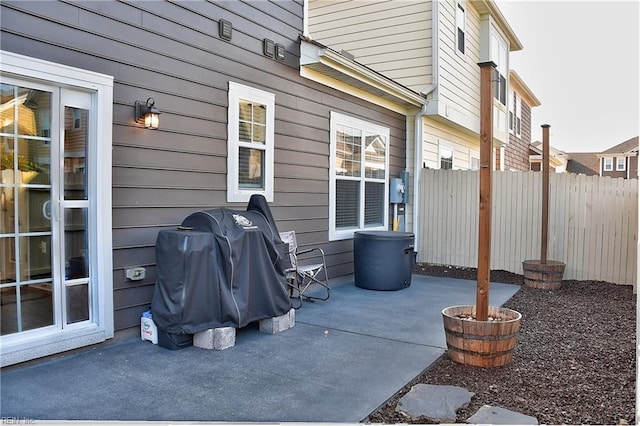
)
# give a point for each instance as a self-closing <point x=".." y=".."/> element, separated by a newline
<point x="516" y="153"/>
<point x="172" y="51"/>
<point x="392" y="38"/>
<point x="630" y="172"/>
<point x="458" y="93"/>
<point x="439" y="134"/>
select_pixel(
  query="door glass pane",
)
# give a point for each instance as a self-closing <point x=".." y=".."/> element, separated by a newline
<point x="8" y="311"/>
<point x="7" y="260"/>
<point x="33" y="206"/>
<point x="77" y="303"/>
<point x="26" y="307"/>
<point x="75" y="153"/>
<point x="36" y="302"/>
<point x="35" y="257"/>
<point x="34" y="161"/>
<point x="76" y="243"/>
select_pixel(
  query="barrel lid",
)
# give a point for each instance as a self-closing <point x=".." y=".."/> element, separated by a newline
<point x="383" y="235"/>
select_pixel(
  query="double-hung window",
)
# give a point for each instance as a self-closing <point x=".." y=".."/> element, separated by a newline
<point x="461" y="28"/>
<point x="250" y="143"/>
<point x="512" y="112"/>
<point x="519" y="116"/>
<point x="359" y="172"/>
<point x="621" y="164"/>
<point x="608" y="164"/>
<point x="445" y="153"/>
<point x="499" y="54"/>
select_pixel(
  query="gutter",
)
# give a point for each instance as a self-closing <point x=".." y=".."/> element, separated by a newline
<point x="419" y="123"/>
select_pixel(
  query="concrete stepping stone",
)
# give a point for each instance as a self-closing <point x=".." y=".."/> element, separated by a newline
<point x="490" y="415"/>
<point x="438" y="402"/>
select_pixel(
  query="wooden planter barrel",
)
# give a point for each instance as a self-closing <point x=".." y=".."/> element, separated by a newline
<point x="481" y="343"/>
<point x="543" y="275"/>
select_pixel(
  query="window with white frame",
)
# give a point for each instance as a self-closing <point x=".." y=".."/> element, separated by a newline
<point x="607" y="164"/>
<point x="359" y="172"/>
<point x="461" y="28"/>
<point x="518" y="116"/>
<point x="445" y="153"/>
<point x="621" y="164"/>
<point x="512" y="111"/>
<point x="58" y="120"/>
<point x="499" y="55"/>
<point x="250" y="143"/>
<point x="474" y="163"/>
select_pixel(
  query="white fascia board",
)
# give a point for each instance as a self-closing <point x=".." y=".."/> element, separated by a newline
<point x="311" y="54"/>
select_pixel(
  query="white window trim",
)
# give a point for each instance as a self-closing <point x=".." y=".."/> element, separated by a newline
<point x="448" y="146"/>
<point x="341" y="119"/>
<point x="511" y="124"/>
<point x="41" y="342"/>
<point x="474" y="155"/>
<point x="607" y="164"/>
<point x="461" y="6"/>
<point x="624" y="164"/>
<point x="234" y="192"/>
<point x="518" y="116"/>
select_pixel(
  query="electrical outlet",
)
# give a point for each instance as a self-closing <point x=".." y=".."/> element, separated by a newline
<point x="135" y="274"/>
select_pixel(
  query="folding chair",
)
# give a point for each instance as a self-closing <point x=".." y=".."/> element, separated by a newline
<point x="301" y="277"/>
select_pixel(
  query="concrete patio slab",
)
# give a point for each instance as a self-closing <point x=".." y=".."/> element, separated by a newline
<point x="376" y="343"/>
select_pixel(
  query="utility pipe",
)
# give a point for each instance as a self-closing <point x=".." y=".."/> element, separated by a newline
<point x="419" y="124"/>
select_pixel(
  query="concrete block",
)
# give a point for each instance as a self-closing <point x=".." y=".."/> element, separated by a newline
<point x="215" y="338"/>
<point x="280" y="323"/>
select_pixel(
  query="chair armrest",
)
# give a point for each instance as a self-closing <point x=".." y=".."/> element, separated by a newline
<point x="310" y="250"/>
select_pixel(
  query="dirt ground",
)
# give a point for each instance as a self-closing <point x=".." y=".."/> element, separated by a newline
<point x="574" y="361"/>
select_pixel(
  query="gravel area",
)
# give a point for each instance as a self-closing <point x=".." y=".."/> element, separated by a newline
<point x="574" y="362"/>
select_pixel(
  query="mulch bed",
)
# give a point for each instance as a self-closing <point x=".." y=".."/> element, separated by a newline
<point x="574" y="362"/>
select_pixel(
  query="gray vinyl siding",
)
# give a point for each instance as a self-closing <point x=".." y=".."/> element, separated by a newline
<point x="172" y="52"/>
<point x="391" y="37"/>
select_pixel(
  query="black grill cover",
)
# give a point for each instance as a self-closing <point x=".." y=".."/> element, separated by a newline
<point x="226" y="271"/>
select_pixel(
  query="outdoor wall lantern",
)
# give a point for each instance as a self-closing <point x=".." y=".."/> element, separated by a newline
<point x="147" y="112"/>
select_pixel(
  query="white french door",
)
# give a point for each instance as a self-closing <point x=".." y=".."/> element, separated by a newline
<point x="52" y="289"/>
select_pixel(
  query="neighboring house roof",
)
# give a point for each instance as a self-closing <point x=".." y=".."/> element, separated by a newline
<point x="557" y="158"/>
<point x="628" y="147"/>
<point x="586" y="163"/>
<point x="518" y="84"/>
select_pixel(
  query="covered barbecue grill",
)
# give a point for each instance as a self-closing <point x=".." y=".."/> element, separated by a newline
<point x="221" y="268"/>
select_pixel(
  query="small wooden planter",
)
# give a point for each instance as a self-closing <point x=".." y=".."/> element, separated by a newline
<point x="481" y="343"/>
<point x="543" y="275"/>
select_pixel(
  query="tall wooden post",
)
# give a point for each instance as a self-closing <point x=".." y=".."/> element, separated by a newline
<point x="545" y="194"/>
<point x="484" y="219"/>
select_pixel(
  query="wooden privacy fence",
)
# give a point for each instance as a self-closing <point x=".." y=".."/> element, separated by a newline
<point x="593" y="222"/>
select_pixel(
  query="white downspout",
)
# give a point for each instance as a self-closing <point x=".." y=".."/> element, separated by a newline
<point x="419" y="124"/>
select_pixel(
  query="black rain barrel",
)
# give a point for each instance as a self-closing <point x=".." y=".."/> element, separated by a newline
<point x="383" y="260"/>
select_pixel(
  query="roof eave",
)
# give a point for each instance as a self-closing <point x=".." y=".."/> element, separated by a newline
<point x="490" y="7"/>
<point x="514" y="77"/>
<point x="323" y="59"/>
